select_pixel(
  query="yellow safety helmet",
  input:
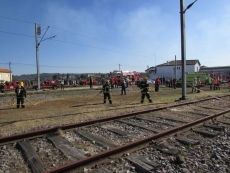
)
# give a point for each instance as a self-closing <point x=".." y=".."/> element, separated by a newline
<point x="107" y="81"/>
<point x="145" y="78"/>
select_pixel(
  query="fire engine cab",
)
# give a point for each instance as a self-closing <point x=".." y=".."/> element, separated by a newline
<point x="120" y="75"/>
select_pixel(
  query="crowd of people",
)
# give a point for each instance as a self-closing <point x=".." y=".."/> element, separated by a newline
<point x="144" y="85"/>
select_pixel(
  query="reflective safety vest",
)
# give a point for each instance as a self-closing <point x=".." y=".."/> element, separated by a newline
<point x="106" y="88"/>
<point x="210" y="80"/>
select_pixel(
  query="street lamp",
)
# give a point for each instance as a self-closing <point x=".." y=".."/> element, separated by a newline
<point x="183" y="46"/>
<point x="38" y="32"/>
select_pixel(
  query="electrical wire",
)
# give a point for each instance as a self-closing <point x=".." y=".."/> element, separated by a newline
<point x="73" y="33"/>
<point x="78" y="44"/>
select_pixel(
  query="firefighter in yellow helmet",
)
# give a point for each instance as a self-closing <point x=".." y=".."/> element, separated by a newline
<point x="144" y="86"/>
<point x="20" y="92"/>
<point x="106" y="91"/>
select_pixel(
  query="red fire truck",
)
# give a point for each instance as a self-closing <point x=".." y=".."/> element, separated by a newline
<point x="47" y="84"/>
<point x="132" y="76"/>
<point x="8" y="86"/>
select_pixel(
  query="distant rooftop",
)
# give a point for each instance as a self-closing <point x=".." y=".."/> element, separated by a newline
<point x="4" y="70"/>
<point x="179" y="62"/>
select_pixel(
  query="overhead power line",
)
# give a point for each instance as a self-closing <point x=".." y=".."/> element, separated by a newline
<point x="99" y="48"/>
<point x="78" y="44"/>
<point x="17" y="34"/>
<point x="52" y="66"/>
<point x="71" y="67"/>
<point x="72" y="33"/>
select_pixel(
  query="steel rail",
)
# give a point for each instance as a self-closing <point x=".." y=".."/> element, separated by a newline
<point x="82" y="162"/>
<point x="38" y="133"/>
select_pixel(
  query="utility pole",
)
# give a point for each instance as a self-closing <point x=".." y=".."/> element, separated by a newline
<point x="119" y="67"/>
<point x="37" y="55"/>
<point x="10" y="72"/>
<point x="183" y="46"/>
<point x="183" y="49"/>
<point x="175" y="68"/>
<point x="38" y="32"/>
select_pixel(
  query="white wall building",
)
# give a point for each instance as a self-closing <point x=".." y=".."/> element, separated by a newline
<point x="167" y="69"/>
<point x="5" y="75"/>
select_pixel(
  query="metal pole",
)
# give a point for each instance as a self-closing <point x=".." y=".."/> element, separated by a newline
<point x="175" y="68"/>
<point x="183" y="49"/>
<point x="10" y="72"/>
<point x="37" y="57"/>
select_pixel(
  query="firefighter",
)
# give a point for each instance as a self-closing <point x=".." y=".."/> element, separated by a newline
<point x="106" y="91"/>
<point x="144" y="86"/>
<point x="20" y="92"/>
<point x="123" y="87"/>
<point x="90" y="82"/>
<point x="2" y="87"/>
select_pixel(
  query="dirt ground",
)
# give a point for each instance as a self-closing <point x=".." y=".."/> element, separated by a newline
<point x="54" y="108"/>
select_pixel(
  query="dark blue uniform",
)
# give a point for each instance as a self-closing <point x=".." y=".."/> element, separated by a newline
<point x="20" y="92"/>
<point x="123" y="87"/>
<point x="144" y="91"/>
<point x="106" y="91"/>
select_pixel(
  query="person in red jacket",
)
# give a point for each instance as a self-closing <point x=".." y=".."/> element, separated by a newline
<point x="157" y="84"/>
<point x="116" y="82"/>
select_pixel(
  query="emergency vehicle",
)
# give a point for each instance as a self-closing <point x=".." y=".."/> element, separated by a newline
<point x="190" y="78"/>
<point x="8" y="86"/>
<point x="120" y="75"/>
<point x="86" y="82"/>
<point x="47" y="84"/>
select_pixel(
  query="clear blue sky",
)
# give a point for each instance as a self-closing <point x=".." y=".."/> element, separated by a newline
<point x="97" y="35"/>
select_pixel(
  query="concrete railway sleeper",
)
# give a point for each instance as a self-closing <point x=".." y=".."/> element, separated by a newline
<point x="84" y="145"/>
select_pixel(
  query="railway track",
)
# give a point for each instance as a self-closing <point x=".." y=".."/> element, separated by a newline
<point x="129" y="141"/>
